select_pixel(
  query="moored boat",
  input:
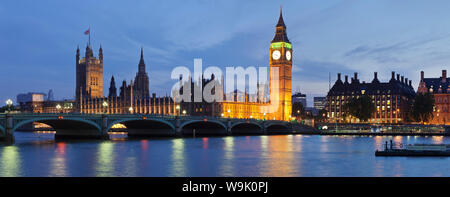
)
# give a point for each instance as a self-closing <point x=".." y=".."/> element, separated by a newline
<point x="415" y="150"/>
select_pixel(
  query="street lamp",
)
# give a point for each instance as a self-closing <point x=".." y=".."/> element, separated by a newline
<point x="184" y="112"/>
<point x="9" y="103"/>
<point x="131" y="110"/>
<point x="58" y="107"/>
<point x="105" y="105"/>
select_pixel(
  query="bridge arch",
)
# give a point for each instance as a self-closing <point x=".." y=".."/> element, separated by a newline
<point x="145" y="127"/>
<point x="2" y="130"/>
<point x="278" y="128"/>
<point x="202" y="127"/>
<point x="71" y="126"/>
<point x="246" y="128"/>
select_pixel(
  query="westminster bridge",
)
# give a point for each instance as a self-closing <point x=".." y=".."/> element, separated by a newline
<point x="96" y="126"/>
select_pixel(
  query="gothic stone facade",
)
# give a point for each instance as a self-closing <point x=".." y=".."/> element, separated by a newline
<point x="133" y="98"/>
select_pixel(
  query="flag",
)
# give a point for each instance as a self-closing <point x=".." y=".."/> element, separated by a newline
<point x="87" y="31"/>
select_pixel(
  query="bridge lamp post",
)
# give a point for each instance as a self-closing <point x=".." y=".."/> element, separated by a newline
<point x="229" y="115"/>
<point x="58" y="107"/>
<point x="264" y="116"/>
<point x="9" y="103"/>
<point x="105" y="105"/>
<point x="178" y="110"/>
<point x="131" y="110"/>
<point x="184" y="112"/>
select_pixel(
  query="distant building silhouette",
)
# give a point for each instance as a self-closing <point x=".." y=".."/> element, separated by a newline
<point x="50" y="96"/>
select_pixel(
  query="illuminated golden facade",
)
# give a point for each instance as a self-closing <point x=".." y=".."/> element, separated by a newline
<point x="89" y="76"/>
<point x="248" y="106"/>
<point x="280" y="106"/>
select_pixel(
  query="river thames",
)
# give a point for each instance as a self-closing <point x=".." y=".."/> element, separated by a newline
<point x="35" y="155"/>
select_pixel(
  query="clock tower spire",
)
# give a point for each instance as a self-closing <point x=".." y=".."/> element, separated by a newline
<point x="281" y="60"/>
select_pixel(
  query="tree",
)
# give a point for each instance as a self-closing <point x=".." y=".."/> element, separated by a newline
<point x="361" y="108"/>
<point x="422" y="108"/>
<point x="322" y="115"/>
<point x="297" y="109"/>
<point x="7" y="108"/>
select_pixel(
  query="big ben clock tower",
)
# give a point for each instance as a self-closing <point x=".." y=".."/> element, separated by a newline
<point x="281" y="58"/>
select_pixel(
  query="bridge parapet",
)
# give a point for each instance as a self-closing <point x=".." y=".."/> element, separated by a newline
<point x="98" y="125"/>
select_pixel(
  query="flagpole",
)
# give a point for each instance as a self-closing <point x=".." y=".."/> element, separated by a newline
<point x="89" y="35"/>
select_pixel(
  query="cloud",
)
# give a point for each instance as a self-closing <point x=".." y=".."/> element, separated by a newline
<point x="364" y="51"/>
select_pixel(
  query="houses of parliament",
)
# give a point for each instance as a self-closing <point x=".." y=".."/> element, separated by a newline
<point x="135" y="97"/>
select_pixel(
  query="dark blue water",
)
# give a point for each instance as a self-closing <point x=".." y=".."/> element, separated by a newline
<point x="282" y="155"/>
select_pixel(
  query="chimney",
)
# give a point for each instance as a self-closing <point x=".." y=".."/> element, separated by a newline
<point x="398" y="77"/>
<point x="403" y="79"/>
<point x="422" y="74"/>
<point x="444" y="76"/>
<point x="406" y="81"/>
<point x="410" y="83"/>
<point x="375" y="75"/>
<point x="393" y="75"/>
<point x="339" y="76"/>
<point x="356" y="76"/>
<point x="346" y="78"/>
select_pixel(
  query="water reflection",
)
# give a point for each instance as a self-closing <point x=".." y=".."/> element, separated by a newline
<point x="278" y="155"/>
<point x="280" y="159"/>
<point x="105" y="158"/>
<point x="264" y="144"/>
<point x="437" y="139"/>
<point x="131" y="166"/>
<point x="398" y="139"/>
<point x="144" y="145"/>
<point x="10" y="163"/>
<point x="178" y="158"/>
<point x="324" y="144"/>
<point x="205" y="142"/>
<point x="378" y="144"/>
<point x="59" y="165"/>
<point x="227" y="168"/>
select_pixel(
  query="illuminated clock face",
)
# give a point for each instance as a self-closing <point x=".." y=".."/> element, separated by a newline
<point x="288" y="55"/>
<point x="276" y="55"/>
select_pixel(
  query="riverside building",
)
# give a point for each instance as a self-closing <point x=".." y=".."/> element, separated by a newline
<point x="440" y="88"/>
<point x="392" y="99"/>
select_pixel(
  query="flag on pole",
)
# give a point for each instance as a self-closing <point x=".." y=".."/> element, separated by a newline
<point x="88" y="32"/>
